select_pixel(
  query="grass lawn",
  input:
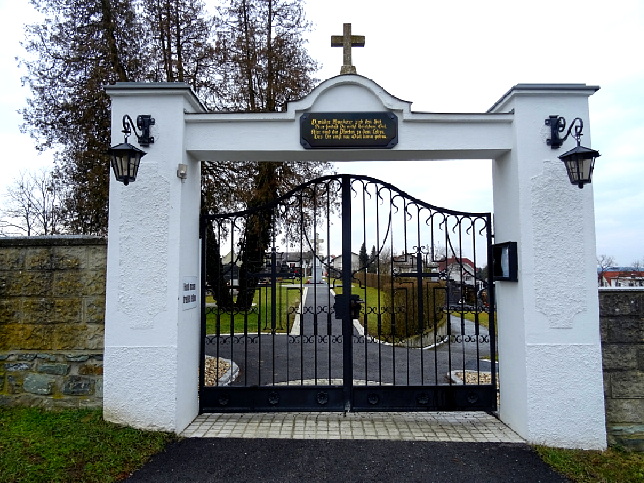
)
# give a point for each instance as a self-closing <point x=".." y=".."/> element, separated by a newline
<point x="484" y="319"/>
<point x="375" y="304"/>
<point x="71" y="446"/>
<point x="611" y="466"/>
<point x="38" y="446"/>
<point x="259" y="316"/>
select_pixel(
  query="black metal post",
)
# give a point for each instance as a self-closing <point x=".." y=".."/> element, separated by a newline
<point x="273" y="289"/>
<point x="347" y="320"/>
<point x="202" y="340"/>
<point x="491" y="304"/>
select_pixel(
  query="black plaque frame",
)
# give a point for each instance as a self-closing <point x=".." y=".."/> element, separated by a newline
<point x="505" y="267"/>
<point x="364" y="130"/>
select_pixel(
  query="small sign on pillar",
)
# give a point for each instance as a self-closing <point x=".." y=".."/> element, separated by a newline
<point x="189" y="293"/>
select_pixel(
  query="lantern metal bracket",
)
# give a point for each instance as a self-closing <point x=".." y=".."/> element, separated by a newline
<point x="579" y="161"/>
<point x="143" y="122"/>
<point x="558" y="125"/>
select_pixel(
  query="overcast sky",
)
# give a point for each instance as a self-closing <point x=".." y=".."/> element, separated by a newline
<point x="458" y="56"/>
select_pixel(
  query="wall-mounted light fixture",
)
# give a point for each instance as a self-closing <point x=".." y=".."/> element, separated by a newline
<point x="182" y="171"/>
<point x="579" y="161"/>
<point x="124" y="157"/>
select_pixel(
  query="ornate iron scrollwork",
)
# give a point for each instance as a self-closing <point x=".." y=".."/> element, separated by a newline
<point x="373" y="399"/>
<point x="322" y="398"/>
<point x="273" y="398"/>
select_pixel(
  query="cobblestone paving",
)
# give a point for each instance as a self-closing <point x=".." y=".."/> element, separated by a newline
<point x="472" y="427"/>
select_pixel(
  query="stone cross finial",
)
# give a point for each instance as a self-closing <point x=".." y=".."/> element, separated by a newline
<point x="346" y="41"/>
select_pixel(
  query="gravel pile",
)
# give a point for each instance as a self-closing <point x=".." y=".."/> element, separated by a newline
<point x="215" y="370"/>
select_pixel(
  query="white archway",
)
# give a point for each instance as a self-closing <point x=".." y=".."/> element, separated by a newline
<point x="550" y="365"/>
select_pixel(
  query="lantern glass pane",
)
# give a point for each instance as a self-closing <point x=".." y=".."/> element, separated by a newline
<point x="587" y="168"/>
<point x="573" y="170"/>
<point x="133" y="166"/>
<point x="117" y="166"/>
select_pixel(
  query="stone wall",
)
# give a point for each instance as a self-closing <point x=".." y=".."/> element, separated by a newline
<point x="52" y="313"/>
<point x="622" y="329"/>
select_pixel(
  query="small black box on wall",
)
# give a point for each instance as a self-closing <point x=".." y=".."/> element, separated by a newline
<point x="505" y="262"/>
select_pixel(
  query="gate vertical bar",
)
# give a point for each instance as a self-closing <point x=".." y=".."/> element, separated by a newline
<point x="347" y="320"/>
<point x="492" y="305"/>
<point x="202" y="345"/>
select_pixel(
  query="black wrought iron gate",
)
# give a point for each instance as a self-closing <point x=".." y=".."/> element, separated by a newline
<point x="347" y="294"/>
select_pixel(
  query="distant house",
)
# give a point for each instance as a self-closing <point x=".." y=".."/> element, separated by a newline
<point x="405" y="263"/>
<point x="459" y="270"/>
<point x="287" y="262"/>
<point x="620" y="277"/>
<point x="335" y="265"/>
<point x="408" y="263"/>
<point x="299" y="263"/>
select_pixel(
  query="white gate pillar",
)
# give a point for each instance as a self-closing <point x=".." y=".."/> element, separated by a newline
<point x="152" y="332"/>
<point x="549" y="343"/>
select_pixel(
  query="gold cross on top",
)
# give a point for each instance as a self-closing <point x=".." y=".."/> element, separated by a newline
<point x="346" y="41"/>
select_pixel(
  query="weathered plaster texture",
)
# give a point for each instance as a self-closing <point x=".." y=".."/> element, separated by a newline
<point x="554" y="273"/>
<point x="149" y="272"/>
<point x="151" y="371"/>
<point x="560" y="407"/>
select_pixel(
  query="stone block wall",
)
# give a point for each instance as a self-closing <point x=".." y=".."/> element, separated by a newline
<point x="622" y="329"/>
<point x="52" y="324"/>
<point x="52" y="320"/>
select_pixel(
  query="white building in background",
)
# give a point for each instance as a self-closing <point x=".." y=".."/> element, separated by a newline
<point x="335" y="264"/>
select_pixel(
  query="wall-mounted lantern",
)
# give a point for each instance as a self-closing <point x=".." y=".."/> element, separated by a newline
<point x="124" y="157"/>
<point x="579" y="161"/>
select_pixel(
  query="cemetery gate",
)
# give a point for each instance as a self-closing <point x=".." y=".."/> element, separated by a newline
<point x="347" y="294"/>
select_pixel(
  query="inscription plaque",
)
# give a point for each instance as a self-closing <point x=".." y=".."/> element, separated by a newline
<point x="328" y="130"/>
<point x="189" y="293"/>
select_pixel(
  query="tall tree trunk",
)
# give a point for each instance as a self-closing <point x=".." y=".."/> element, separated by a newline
<point x="179" y="42"/>
<point x="257" y="234"/>
<point x="215" y="271"/>
<point x="270" y="83"/>
<point x="248" y="57"/>
<point x="109" y="29"/>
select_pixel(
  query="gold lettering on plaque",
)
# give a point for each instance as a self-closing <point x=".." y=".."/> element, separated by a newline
<point x="348" y="129"/>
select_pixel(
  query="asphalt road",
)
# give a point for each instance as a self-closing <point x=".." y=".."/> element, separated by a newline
<point x="316" y="352"/>
<point x="281" y="460"/>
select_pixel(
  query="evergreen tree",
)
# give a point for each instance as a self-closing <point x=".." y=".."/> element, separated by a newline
<point x="261" y="63"/>
<point x="256" y="61"/>
<point x="181" y="44"/>
<point x="250" y="56"/>
<point x="363" y="258"/>
<point x="81" y="46"/>
<point x="373" y="266"/>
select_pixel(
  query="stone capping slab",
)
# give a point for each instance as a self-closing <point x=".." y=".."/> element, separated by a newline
<point x="53" y="240"/>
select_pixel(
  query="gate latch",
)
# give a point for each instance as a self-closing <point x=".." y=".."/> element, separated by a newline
<point x="355" y="305"/>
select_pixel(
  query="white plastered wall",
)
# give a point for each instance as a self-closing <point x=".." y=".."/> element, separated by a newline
<point x="549" y="341"/>
<point x="151" y="342"/>
<point x="550" y="358"/>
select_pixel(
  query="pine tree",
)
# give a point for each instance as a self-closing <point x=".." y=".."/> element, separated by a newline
<point x="373" y="268"/>
<point x="363" y="258"/>
<point x="251" y="56"/>
<point x="262" y="63"/>
<point x="81" y="46"/>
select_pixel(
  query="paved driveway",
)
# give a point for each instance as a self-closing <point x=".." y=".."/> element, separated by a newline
<point x="315" y="352"/>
